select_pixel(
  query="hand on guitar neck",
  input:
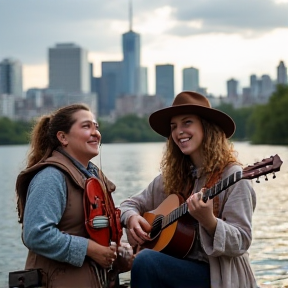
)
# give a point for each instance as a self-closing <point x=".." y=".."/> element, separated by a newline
<point x="202" y="212"/>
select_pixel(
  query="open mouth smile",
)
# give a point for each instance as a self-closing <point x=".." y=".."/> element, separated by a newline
<point x="184" y="139"/>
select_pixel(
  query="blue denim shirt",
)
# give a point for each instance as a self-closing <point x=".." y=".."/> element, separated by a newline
<point x="46" y="202"/>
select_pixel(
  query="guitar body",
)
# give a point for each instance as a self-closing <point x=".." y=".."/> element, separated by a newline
<point x="177" y="238"/>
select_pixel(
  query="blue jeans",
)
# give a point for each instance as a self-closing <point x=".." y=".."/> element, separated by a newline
<point x="152" y="269"/>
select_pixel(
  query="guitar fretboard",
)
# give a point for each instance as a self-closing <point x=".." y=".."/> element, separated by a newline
<point x="222" y="185"/>
<point x="208" y="194"/>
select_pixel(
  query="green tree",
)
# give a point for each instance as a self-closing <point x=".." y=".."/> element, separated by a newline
<point x="268" y="123"/>
<point x="14" y="132"/>
<point x="240" y="117"/>
<point x="129" y="128"/>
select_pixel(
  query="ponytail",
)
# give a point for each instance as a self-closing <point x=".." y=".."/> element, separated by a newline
<point x="43" y="140"/>
<point x="44" y="134"/>
<point x="40" y="141"/>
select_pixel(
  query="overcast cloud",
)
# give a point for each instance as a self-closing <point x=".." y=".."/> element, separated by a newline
<point x="29" y="27"/>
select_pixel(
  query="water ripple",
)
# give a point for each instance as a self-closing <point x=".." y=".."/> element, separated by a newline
<point x="269" y="249"/>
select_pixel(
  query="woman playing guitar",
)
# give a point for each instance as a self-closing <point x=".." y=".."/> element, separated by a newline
<point x="215" y="234"/>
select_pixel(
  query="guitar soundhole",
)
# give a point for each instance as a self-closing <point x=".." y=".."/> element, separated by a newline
<point x="156" y="227"/>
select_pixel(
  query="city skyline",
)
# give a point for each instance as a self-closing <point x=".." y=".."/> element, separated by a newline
<point x="222" y="39"/>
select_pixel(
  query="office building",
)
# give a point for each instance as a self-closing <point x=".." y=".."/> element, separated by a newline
<point x="34" y="98"/>
<point x="131" y="60"/>
<point x="267" y="87"/>
<point x="232" y="89"/>
<point x="165" y="82"/>
<point x="91" y="73"/>
<point x="282" y="73"/>
<point x="190" y="79"/>
<point x="110" y="86"/>
<point x="143" y="81"/>
<point x="11" y="77"/>
<point x="254" y="87"/>
<point x="142" y="105"/>
<point x="69" y="68"/>
<point x="7" y="106"/>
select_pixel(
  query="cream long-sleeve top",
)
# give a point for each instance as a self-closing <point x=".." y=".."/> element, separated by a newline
<point x="227" y="250"/>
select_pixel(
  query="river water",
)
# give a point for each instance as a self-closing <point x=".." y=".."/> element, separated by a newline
<point x="131" y="167"/>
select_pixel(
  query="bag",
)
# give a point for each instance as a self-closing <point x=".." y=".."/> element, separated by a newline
<point x="25" y="278"/>
<point x="102" y="218"/>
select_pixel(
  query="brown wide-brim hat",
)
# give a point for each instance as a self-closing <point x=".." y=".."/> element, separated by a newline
<point x="188" y="102"/>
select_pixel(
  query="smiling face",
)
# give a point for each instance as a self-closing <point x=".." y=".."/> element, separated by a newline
<point x="83" y="140"/>
<point x="187" y="133"/>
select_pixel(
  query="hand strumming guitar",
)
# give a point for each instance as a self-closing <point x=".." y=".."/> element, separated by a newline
<point x="138" y="229"/>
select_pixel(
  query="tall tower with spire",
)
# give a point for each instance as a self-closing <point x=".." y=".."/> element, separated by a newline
<point x="282" y="73"/>
<point x="131" y="58"/>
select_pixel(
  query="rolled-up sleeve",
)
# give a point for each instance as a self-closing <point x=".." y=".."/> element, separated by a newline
<point x="45" y="205"/>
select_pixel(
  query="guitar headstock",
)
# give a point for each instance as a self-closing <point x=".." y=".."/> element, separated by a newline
<point x="264" y="167"/>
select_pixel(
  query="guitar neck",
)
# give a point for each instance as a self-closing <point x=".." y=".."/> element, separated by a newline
<point x="174" y="215"/>
<point x="208" y="194"/>
<point x="221" y="185"/>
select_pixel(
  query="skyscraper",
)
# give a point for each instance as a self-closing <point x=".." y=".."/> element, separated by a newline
<point x="131" y="59"/>
<point x="110" y="86"/>
<point x="254" y="85"/>
<point x="143" y="80"/>
<point x="267" y="86"/>
<point x="190" y="79"/>
<point x="69" y="68"/>
<point x="165" y="82"/>
<point x="282" y="73"/>
<point x="11" y="77"/>
<point x="232" y="89"/>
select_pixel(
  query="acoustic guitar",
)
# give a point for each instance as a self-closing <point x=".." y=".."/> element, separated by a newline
<point x="173" y="228"/>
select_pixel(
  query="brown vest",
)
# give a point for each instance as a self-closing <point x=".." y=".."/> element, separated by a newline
<point x="60" y="274"/>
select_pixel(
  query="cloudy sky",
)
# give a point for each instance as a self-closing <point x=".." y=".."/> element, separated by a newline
<point x="222" y="38"/>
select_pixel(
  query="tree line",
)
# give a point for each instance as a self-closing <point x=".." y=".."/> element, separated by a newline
<point x="262" y="124"/>
<point x="259" y="124"/>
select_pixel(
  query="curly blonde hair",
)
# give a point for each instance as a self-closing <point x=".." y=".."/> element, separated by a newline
<point x="176" y="167"/>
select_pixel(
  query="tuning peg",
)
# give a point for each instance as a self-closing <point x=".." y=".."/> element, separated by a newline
<point x="266" y="178"/>
<point x="274" y="176"/>
<point x="257" y="181"/>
